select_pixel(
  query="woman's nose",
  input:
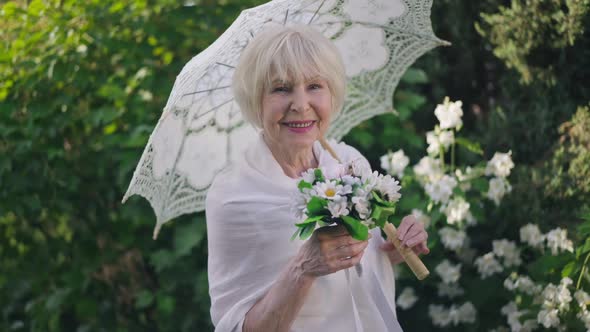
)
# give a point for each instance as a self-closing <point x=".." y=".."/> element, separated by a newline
<point x="300" y="102"/>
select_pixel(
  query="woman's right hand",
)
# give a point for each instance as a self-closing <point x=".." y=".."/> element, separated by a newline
<point x="330" y="249"/>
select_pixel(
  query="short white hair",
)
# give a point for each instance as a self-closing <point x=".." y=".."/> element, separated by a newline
<point x="295" y="53"/>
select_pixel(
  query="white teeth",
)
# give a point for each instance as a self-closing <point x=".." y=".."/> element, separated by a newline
<point x="299" y="125"/>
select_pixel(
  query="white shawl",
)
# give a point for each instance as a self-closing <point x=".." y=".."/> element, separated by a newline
<point x="249" y="224"/>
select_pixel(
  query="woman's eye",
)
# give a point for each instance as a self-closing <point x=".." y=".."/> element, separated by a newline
<point x="315" y="86"/>
<point x="280" y="89"/>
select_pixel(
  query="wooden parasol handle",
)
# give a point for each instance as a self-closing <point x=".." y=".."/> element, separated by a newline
<point x="413" y="261"/>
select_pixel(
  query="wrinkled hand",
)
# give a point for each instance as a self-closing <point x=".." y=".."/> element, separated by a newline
<point x="328" y="250"/>
<point x="411" y="233"/>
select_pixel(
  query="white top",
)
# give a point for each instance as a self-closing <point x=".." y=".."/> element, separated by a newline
<point x="249" y="224"/>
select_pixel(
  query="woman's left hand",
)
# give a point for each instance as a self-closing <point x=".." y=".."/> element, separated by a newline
<point x="411" y="233"/>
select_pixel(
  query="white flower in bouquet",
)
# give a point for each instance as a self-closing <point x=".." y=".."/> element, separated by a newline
<point x="449" y="114"/>
<point x="488" y="265"/>
<point x="395" y="163"/>
<point x="557" y="241"/>
<point x="370" y="180"/>
<point x="498" y="188"/>
<point x="334" y="172"/>
<point x="531" y="235"/>
<point x="448" y="272"/>
<point x="331" y="190"/>
<point x="338" y="207"/>
<point x="351" y="180"/>
<point x="308" y="176"/>
<point x="361" y="203"/>
<point x="421" y="217"/>
<point x="456" y="211"/>
<point x="407" y="298"/>
<point x="508" y="250"/>
<point x="389" y="187"/>
<point x="500" y="165"/>
<point x="440" y="191"/>
<point x="428" y="169"/>
<point x="451" y="238"/>
<point x="450" y="290"/>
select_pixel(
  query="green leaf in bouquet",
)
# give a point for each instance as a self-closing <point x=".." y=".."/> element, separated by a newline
<point x="302" y="185"/>
<point x="356" y="229"/>
<point x="377" y="198"/>
<point x="469" y="145"/>
<point x="296" y="234"/>
<point x="317" y="207"/>
<point x="376" y="213"/>
<point x="319" y="176"/>
<point x="307" y="230"/>
<point x="309" y="220"/>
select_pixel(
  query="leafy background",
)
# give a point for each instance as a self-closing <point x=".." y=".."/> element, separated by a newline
<point x="82" y="84"/>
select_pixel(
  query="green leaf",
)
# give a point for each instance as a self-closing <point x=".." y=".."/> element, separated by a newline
<point x="309" y="220"/>
<point x="307" y="231"/>
<point x="376" y="213"/>
<point x="377" y="198"/>
<point x="316" y="207"/>
<point x="302" y="184"/>
<point x="469" y="145"/>
<point x="413" y="76"/>
<point x="583" y="249"/>
<point x="568" y="269"/>
<point x="356" y="229"/>
<point x="296" y="234"/>
<point x="319" y="176"/>
<point x="144" y="299"/>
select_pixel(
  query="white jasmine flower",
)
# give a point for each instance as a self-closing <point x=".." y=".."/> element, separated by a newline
<point x="448" y="272"/>
<point x="450" y="290"/>
<point x="449" y="114"/>
<point x="145" y="95"/>
<point x="466" y="313"/>
<point x="433" y="143"/>
<point x="441" y="190"/>
<point x="531" y="235"/>
<point x="513" y="315"/>
<point x="557" y="297"/>
<point x="584" y="316"/>
<point x="308" y="176"/>
<point x="521" y="283"/>
<point x="439" y="315"/>
<point x="500" y="165"/>
<point x="466" y="254"/>
<point x="421" y="217"/>
<point x="508" y="250"/>
<point x="548" y="318"/>
<point x="498" y="188"/>
<point x="456" y="211"/>
<point x="428" y="169"/>
<point x="395" y="163"/>
<point x="338" y="207"/>
<point x="557" y="241"/>
<point x="330" y="190"/>
<point x="407" y="298"/>
<point x="438" y="139"/>
<point x="389" y="187"/>
<point x="583" y="298"/>
<point x="487" y="265"/>
<point x="451" y="238"/>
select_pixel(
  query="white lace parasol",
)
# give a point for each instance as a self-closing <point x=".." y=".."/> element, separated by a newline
<point x="201" y="129"/>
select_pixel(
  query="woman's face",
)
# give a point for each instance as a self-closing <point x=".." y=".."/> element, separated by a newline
<point x="296" y="114"/>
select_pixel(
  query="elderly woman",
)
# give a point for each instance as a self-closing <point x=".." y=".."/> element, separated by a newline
<point x="289" y="83"/>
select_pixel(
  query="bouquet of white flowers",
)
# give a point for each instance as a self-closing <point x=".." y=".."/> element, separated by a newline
<point x="350" y="195"/>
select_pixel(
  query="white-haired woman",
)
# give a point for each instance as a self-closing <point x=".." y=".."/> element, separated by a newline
<point x="289" y="83"/>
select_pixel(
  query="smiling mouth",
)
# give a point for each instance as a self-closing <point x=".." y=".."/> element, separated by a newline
<point x="299" y="124"/>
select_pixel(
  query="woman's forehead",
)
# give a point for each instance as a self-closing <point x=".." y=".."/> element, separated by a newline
<point x="306" y="76"/>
